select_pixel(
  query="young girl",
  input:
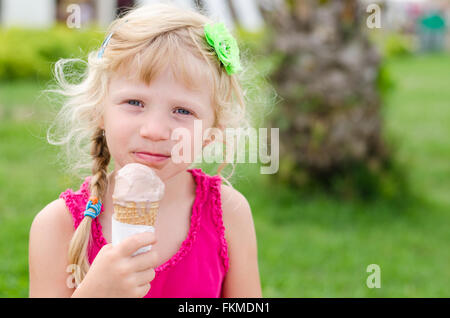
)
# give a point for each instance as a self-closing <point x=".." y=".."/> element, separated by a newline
<point x="160" y="68"/>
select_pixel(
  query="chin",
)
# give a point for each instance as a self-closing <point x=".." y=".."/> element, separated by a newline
<point x="171" y="170"/>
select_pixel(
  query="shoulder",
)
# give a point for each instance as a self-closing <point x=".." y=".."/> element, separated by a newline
<point x="234" y="203"/>
<point x="52" y="227"/>
<point x="237" y="214"/>
<point x="55" y="216"/>
<point x="236" y="211"/>
<point x="242" y="278"/>
<point x="50" y="235"/>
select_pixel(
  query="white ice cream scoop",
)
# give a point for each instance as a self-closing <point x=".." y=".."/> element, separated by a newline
<point x="136" y="182"/>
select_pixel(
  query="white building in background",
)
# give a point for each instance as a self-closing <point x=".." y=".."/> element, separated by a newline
<point x="39" y="13"/>
<point x="44" y="13"/>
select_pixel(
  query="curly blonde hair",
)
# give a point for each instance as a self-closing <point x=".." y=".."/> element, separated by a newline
<point x="149" y="38"/>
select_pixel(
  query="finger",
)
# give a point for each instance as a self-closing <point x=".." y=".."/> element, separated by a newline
<point x="145" y="261"/>
<point x="145" y="277"/>
<point x="144" y="289"/>
<point x="133" y="243"/>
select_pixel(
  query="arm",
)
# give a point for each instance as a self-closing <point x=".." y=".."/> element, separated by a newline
<point x="242" y="279"/>
<point x="114" y="272"/>
<point x="50" y="235"/>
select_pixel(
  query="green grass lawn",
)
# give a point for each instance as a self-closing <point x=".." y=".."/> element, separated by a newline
<point x="314" y="246"/>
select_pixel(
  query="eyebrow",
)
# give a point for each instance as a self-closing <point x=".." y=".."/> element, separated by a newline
<point x="185" y="103"/>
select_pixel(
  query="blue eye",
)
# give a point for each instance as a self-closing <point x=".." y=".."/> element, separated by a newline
<point x="182" y="111"/>
<point x="134" y="102"/>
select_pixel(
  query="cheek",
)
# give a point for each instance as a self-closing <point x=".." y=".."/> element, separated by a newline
<point x="117" y="123"/>
<point x="118" y="131"/>
<point x="191" y="142"/>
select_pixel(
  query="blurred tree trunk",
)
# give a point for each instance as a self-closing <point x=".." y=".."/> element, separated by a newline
<point x="329" y="116"/>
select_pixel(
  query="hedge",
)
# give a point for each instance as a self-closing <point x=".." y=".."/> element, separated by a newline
<point x="29" y="53"/>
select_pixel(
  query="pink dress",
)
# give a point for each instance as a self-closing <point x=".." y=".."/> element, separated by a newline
<point x="199" y="267"/>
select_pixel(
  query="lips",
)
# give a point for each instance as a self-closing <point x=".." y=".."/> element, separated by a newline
<point x="152" y="154"/>
<point x="151" y="157"/>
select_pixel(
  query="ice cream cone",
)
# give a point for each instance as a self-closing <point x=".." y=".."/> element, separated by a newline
<point x="137" y="193"/>
<point x="137" y="213"/>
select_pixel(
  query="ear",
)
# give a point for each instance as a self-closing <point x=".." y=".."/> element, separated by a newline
<point x="209" y="140"/>
<point x="101" y="124"/>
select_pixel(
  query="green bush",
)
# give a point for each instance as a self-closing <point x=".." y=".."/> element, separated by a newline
<point x="29" y="53"/>
<point x="397" y="45"/>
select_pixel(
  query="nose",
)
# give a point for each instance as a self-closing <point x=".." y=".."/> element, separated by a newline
<point x="155" y="126"/>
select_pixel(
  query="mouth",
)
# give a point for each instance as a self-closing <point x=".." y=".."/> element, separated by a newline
<point x="150" y="157"/>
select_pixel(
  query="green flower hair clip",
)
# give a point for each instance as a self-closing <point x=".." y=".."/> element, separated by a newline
<point x="227" y="50"/>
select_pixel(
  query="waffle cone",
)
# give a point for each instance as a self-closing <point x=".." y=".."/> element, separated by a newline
<point x="136" y="213"/>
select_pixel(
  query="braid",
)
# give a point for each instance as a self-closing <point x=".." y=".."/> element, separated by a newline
<point x="98" y="185"/>
<point x="101" y="156"/>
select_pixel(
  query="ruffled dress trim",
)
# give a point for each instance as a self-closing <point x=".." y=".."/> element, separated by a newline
<point x="218" y="218"/>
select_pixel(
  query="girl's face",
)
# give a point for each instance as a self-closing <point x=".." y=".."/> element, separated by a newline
<point x="139" y="120"/>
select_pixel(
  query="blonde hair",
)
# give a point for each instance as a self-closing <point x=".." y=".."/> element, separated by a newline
<point x="149" y="38"/>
